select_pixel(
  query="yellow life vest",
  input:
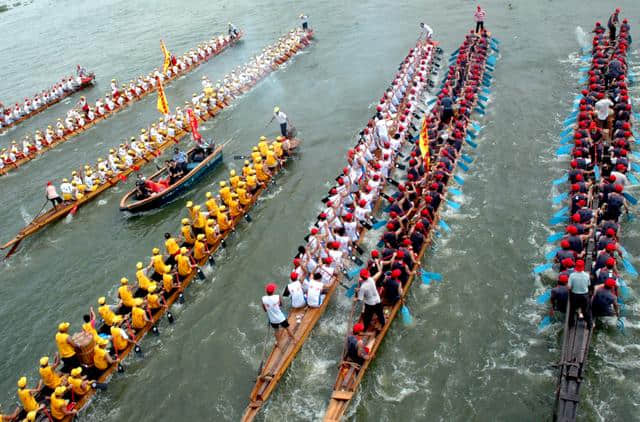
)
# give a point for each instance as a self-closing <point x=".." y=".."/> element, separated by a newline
<point x="234" y="181"/>
<point x="252" y="181"/>
<point x="255" y="155"/>
<point x="271" y="159"/>
<point x="225" y="194"/>
<point x="184" y="265"/>
<point x="58" y="405"/>
<point x="245" y="171"/>
<point x="262" y="176"/>
<point x="187" y="234"/>
<point x="143" y="280"/>
<point x="234" y="209"/>
<point x="88" y="328"/>
<point x="263" y="146"/>
<point x="212" y="206"/>
<point x="223" y="222"/>
<point x="199" y="250"/>
<point x="28" y="401"/>
<point x="100" y="358"/>
<point x="243" y="197"/>
<point x="127" y="297"/>
<point x="210" y="234"/>
<point x="77" y="386"/>
<point x="199" y="221"/>
<point x="137" y="318"/>
<point x="67" y="196"/>
<point x="167" y="282"/>
<point x="118" y="340"/>
<point x="110" y="318"/>
<point x="49" y="377"/>
<point x="153" y="300"/>
<point x="159" y="265"/>
<point x="277" y="148"/>
<point x="172" y="246"/>
<point x="65" y="349"/>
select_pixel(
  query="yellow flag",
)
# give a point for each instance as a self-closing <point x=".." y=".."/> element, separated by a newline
<point x="167" y="57"/>
<point x="424" y="145"/>
<point x="163" y="105"/>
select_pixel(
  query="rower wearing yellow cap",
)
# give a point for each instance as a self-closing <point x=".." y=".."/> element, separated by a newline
<point x="233" y="179"/>
<point x="139" y="318"/>
<point x="271" y="161"/>
<point x="168" y="284"/>
<point x="172" y="248"/>
<point x="263" y="145"/>
<point x="143" y="281"/>
<point x="200" y="250"/>
<point x="211" y="232"/>
<point x="154" y="301"/>
<point x="119" y="339"/>
<point x="234" y="206"/>
<point x="184" y="263"/>
<point x="50" y="377"/>
<point x="199" y="220"/>
<point x="255" y="154"/>
<point x="26" y="395"/>
<point x="261" y="172"/>
<point x="243" y="196"/>
<point x="59" y="405"/>
<point x="31" y="416"/>
<point x="66" y="347"/>
<point x="78" y="382"/>
<point x="252" y="181"/>
<point x="109" y="317"/>
<point x="126" y="295"/>
<point x="186" y="233"/>
<point x="89" y="325"/>
<point x="277" y="148"/>
<point x="101" y="357"/>
<point x="225" y="192"/>
<point x="223" y="220"/>
<point x="159" y="266"/>
<point x="212" y="205"/>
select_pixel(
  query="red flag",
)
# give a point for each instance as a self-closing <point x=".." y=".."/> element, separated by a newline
<point x="194" y="126"/>
<point x="136" y="167"/>
<point x="122" y="177"/>
<point x="74" y="210"/>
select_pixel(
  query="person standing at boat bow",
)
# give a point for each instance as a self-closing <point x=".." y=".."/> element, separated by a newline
<point x="579" y="302"/>
<point x="271" y="304"/>
<point x="612" y="24"/>
<point x="479" y="17"/>
<point x="304" y="19"/>
<point x="282" y="120"/>
<point x="52" y="195"/>
<point x="425" y="32"/>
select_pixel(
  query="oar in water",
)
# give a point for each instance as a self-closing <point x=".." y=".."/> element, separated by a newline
<point x="551" y="254"/>
<point x="632" y="178"/>
<point x="554" y="237"/>
<point x="566" y="131"/>
<point x="407" y="319"/>
<point x="558" y="220"/>
<point x="544" y="297"/>
<point x="427" y="276"/>
<point x="628" y="266"/>
<point x="453" y="204"/>
<point x="546" y="321"/>
<point x="444" y="226"/>
<point x="542" y="268"/>
<point x="562" y="211"/>
<point x="564" y="149"/>
<point x="470" y="142"/>
<point x="463" y="166"/>
<point x="15" y="245"/>
<point x="467" y="158"/>
<point x="458" y="179"/>
<point x="454" y="191"/>
<point x="630" y="198"/>
<point x="559" y="198"/>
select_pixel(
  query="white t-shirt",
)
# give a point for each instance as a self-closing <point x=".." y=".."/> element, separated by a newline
<point x="603" y="108"/>
<point x="272" y="304"/>
<point x="297" y="295"/>
<point x="427" y="31"/>
<point x="281" y="117"/>
<point x="314" y="294"/>
<point x="368" y="292"/>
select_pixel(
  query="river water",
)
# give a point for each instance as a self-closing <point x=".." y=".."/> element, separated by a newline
<point x="473" y="352"/>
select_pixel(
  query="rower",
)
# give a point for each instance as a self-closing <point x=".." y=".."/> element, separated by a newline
<point x="139" y="318"/>
<point x="212" y="205"/>
<point x="126" y="297"/>
<point x="52" y="195"/>
<point x="184" y="264"/>
<point x="271" y="304"/>
<point x="120" y="340"/>
<point x="109" y="317"/>
<point x="66" y="347"/>
<point x="27" y="395"/>
<point x="172" y="248"/>
<point x="294" y="289"/>
<point x="282" y="120"/>
<point x="154" y="301"/>
<point x="159" y="266"/>
<point x="188" y="238"/>
<point x="143" y="281"/>
<point x="211" y="232"/>
<point x="233" y="179"/>
<point x="200" y="250"/>
<point x="225" y="192"/>
<point x="223" y="219"/>
<point x="243" y="196"/>
<point x="101" y="358"/>
<point x="59" y="405"/>
<point x="579" y="295"/>
<point x="263" y="147"/>
<point x="199" y="220"/>
<point x="89" y="325"/>
<point x="262" y="174"/>
<point x="356" y="350"/>
<point x="50" y="377"/>
<point x="604" y="301"/>
<point x="78" y="383"/>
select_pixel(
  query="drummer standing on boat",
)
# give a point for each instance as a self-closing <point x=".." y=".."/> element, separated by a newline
<point x="271" y="304"/>
<point x="479" y="17"/>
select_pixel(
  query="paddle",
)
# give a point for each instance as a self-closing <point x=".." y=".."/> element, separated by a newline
<point x="561" y="180"/>
<point x="562" y="211"/>
<point x="629" y="267"/>
<point x="454" y="191"/>
<point x="407" y="319"/>
<point x="444" y="226"/>
<point x="596" y="172"/>
<point x="542" y="268"/>
<point x="470" y="142"/>
<point x="557" y="220"/>
<point x="544" y="297"/>
<point x="630" y="198"/>
<point x="453" y="204"/>
<point x="566" y="131"/>
<point x="564" y="149"/>
<point x="554" y="237"/>
<point x="546" y="321"/>
<point x="559" y="198"/>
<point x="550" y="255"/>
<point x="467" y="158"/>
<point x="458" y="179"/>
<point x="463" y="166"/>
<point x="632" y="178"/>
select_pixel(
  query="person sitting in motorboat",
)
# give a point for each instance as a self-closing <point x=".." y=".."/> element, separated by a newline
<point x="142" y="192"/>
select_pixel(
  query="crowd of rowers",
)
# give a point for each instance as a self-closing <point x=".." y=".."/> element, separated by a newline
<point x="123" y="323"/>
<point x="69" y="84"/>
<point x="350" y="203"/>
<point x="413" y="213"/>
<point x="84" y="113"/>
<point x="602" y="137"/>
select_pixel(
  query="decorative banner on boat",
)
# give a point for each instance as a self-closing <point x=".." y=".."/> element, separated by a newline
<point x="163" y="105"/>
<point x="193" y="121"/>
<point x="424" y="144"/>
<point x="167" y="57"/>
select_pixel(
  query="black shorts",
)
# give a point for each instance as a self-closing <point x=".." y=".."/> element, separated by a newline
<point x="283" y="324"/>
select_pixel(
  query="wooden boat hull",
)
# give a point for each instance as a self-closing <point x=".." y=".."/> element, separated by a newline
<point x="173" y="191"/>
<point x="85" y="82"/>
<point x="90" y="124"/>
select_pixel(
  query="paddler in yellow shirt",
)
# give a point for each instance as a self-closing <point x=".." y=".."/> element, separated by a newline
<point x="171" y="244"/>
<point x="277" y="148"/>
<point x="199" y="220"/>
<point x="143" y="281"/>
<point x="159" y="266"/>
<point x="119" y="339"/>
<point x="255" y="154"/>
<point x="139" y="318"/>
<point x="252" y="182"/>
<point x="211" y="232"/>
<point x="263" y="146"/>
<point x="78" y="383"/>
<point x="109" y="317"/>
<point x="101" y="358"/>
<point x="186" y="234"/>
<point x="168" y="284"/>
<point x="155" y="301"/>
<point x="234" y="207"/>
<point x="27" y="395"/>
<point x="66" y="347"/>
<point x="200" y="250"/>
<point x="184" y="264"/>
<point x="89" y="325"/>
<point x="271" y="160"/>
<point x="126" y="295"/>
<point x="50" y="377"/>
<point x="212" y="205"/>
<point x="233" y="179"/>
<point x="59" y="405"/>
<point x="261" y="172"/>
<point x="225" y="192"/>
<point x="243" y="196"/>
<point x="223" y="220"/>
<point x="246" y="168"/>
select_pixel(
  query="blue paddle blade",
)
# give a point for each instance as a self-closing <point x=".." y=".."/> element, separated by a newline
<point x="561" y="180"/>
<point x="553" y="238"/>
<point x="495" y="40"/>
<point x="564" y="149"/>
<point x="582" y="80"/>
<point x="470" y="142"/>
<point x="378" y="224"/>
<point x="569" y="121"/>
<point x="632" y="178"/>
<point x="624" y="252"/>
<point x="463" y="166"/>
<point x="566" y="132"/>
<point x="476" y="126"/>
<point x="635" y="166"/>
<point x="491" y="61"/>
<point x="630" y="198"/>
<point x="586" y="58"/>
<point x="472" y="134"/>
<point x="444" y="226"/>
<point x="584" y="69"/>
<point x="432" y="101"/>
<point x="483" y="98"/>
<point x="353" y="272"/>
<point x="486" y="90"/>
<point x="559" y="198"/>
<point x="458" y="179"/>
<point x="636" y="154"/>
<point x="432" y="276"/>
<point x="636" y="116"/>
<point x="596" y="172"/>
<point x="453" y="204"/>
<point x="407" y="319"/>
<point x="479" y="111"/>
<point x="624" y="289"/>
<point x="559" y="219"/>
<point x="455" y="52"/>
<point x="544" y="297"/>
<point x="542" y="268"/>
<point x="454" y="191"/>
<point x="482" y="106"/>
<point x="562" y="211"/>
<point x="628" y="266"/>
<point x="425" y="278"/>
<point x="351" y="291"/>
<point x="546" y="321"/>
<point x="550" y="255"/>
<point x="567" y="139"/>
<point x="467" y="159"/>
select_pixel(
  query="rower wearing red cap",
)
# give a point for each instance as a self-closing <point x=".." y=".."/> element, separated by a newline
<point x="294" y="289"/>
<point x="604" y="301"/>
<point x="368" y="293"/>
<point x="356" y="351"/>
<point x="579" y="302"/>
<point x="560" y="295"/>
<point x="271" y="304"/>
